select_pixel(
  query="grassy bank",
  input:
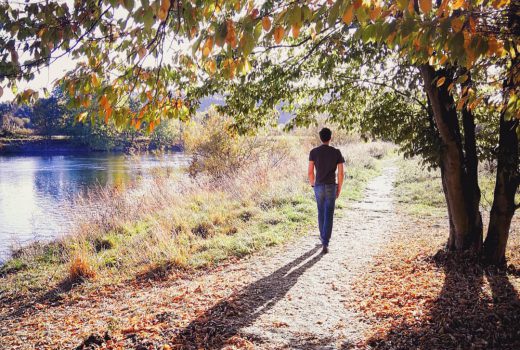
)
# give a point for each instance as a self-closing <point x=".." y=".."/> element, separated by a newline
<point x="177" y="222"/>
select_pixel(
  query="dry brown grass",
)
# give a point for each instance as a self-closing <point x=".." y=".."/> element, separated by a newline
<point x="80" y="269"/>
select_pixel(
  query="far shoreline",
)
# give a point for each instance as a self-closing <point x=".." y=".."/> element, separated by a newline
<point x="68" y="145"/>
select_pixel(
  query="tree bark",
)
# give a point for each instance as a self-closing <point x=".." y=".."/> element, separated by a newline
<point x="507" y="181"/>
<point x="459" y="176"/>
<point x="508" y="172"/>
<point x="471" y="187"/>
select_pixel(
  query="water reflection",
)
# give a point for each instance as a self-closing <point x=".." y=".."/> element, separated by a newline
<point x="35" y="192"/>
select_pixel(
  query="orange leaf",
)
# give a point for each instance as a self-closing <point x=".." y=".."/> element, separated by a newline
<point x="441" y="81"/>
<point x="103" y="101"/>
<point x="348" y="15"/>
<point x="108" y="114"/>
<point x="278" y="34"/>
<point x="266" y="23"/>
<point x="295" y="30"/>
<point x="425" y="5"/>
<point x="457" y="24"/>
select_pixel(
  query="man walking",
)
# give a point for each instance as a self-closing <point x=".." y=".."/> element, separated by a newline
<point x="326" y="160"/>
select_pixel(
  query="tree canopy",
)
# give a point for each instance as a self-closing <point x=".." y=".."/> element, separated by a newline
<point x="169" y="53"/>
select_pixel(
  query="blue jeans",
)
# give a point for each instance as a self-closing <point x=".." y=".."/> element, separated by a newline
<point x="326" y="199"/>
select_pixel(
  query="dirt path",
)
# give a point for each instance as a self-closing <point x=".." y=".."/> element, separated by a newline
<point x="289" y="297"/>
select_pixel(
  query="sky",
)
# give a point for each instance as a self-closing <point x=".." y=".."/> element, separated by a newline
<point x="44" y="79"/>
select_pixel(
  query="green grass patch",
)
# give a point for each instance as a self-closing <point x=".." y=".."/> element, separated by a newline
<point x="419" y="190"/>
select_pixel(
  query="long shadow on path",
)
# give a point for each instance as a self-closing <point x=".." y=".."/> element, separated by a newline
<point x="224" y="320"/>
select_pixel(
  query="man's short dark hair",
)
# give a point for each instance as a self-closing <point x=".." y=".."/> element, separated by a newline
<point x="325" y="135"/>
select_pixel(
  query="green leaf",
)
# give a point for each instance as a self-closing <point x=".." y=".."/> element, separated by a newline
<point x="295" y="16"/>
<point x="148" y="19"/>
<point x="129" y="5"/>
<point x="334" y="13"/>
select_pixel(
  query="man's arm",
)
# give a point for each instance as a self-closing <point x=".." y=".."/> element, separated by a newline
<point x="340" y="179"/>
<point x="310" y="172"/>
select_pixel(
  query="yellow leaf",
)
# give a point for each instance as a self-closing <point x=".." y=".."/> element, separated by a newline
<point x="441" y="81"/>
<point x="457" y="4"/>
<point x="348" y="15"/>
<point x="266" y="23"/>
<point x="278" y="34"/>
<point x="425" y="5"/>
<point x="95" y="80"/>
<point x="82" y="116"/>
<point x="212" y="66"/>
<point x="500" y="3"/>
<point x="208" y="47"/>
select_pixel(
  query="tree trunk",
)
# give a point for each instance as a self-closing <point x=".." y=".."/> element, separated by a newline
<point x="508" y="172"/>
<point x="506" y="186"/>
<point x="471" y="186"/>
<point x="458" y="172"/>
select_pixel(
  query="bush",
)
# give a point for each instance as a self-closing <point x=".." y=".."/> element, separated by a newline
<point x="217" y="151"/>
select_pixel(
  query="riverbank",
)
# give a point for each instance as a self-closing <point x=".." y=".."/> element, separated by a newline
<point x="68" y="145"/>
<point x="179" y="223"/>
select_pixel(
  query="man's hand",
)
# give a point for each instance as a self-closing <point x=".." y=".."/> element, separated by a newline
<point x="340" y="179"/>
<point x="310" y="173"/>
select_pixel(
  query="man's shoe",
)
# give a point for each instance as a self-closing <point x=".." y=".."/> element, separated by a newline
<point x="325" y="250"/>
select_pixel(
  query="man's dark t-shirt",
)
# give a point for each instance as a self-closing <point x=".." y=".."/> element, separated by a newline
<point x="326" y="159"/>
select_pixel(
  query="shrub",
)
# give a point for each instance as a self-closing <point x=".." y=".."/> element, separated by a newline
<point x="80" y="269"/>
<point x="216" y="150"/>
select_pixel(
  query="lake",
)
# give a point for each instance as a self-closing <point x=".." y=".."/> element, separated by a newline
<point x="36" y="192"/>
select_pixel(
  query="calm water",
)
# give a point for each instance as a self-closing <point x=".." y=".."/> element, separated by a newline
<point x="36" y="192"/>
